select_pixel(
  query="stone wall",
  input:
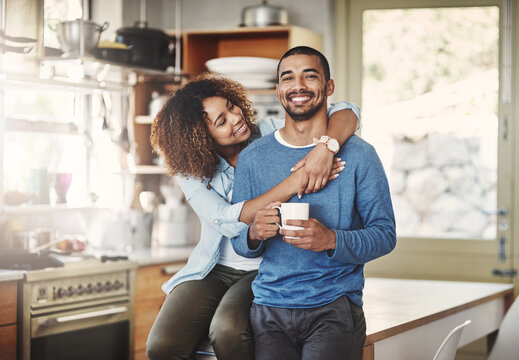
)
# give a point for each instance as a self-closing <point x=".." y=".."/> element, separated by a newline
<point x="440" y="188"/>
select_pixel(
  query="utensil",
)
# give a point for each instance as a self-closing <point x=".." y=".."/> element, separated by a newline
<point x="78" y="37"/>
<point x="243" y="64"/>
<point x="151" y="48"/>
<point x="264" y="15"/>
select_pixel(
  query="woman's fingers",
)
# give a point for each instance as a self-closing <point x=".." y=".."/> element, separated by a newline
<point x="332" y="177"/>
<point x="298" y="165"/>
<point x="337" y="167"/>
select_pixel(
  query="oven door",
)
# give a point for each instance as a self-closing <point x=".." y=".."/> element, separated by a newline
<point x="92" y="333"/>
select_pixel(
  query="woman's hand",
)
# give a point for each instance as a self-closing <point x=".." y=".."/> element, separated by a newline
<point x="318" y="167"/>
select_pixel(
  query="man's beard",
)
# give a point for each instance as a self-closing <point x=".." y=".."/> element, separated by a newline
<point x="310" y="112"/>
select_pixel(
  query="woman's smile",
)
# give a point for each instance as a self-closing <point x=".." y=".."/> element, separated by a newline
<point x="241" y="130"/>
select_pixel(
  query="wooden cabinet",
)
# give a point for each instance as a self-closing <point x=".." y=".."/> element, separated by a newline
<point x="148" y="301"/>
<point x="270" y="42"/>
<point x="8" y="319"/>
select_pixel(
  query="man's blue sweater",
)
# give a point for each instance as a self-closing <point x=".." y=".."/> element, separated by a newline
<point x="356" y="205"/>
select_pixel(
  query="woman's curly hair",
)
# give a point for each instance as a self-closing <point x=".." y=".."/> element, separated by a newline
<point x="179" y="132"/>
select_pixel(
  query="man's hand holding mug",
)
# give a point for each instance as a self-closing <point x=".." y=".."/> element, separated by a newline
<point x="297" y="228"/>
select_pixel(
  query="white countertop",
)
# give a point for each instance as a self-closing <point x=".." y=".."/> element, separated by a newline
<point x="150" y="256"/>
<point x="11" y="275"/>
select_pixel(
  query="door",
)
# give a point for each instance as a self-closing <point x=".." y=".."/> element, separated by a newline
<point x="434" y="82"/>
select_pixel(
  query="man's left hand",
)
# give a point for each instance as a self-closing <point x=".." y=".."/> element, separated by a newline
<point x="314" y="236"/>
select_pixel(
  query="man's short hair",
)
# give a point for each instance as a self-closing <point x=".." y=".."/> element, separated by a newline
<point x="306" y="50"/>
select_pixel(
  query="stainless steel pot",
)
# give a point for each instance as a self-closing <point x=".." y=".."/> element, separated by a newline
<point x="264" y="15"/>
<point x="79" y="36"/>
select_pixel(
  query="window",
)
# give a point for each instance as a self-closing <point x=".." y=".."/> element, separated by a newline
<point x="430" y="95"/>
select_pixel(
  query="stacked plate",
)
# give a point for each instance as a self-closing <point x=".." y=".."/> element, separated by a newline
<point x="251" y="72"/>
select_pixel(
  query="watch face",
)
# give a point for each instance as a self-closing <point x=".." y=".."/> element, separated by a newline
<point x="333" y="145"/>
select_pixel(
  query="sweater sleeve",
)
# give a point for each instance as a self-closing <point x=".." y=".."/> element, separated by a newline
<point x="377" y="237"/>
<point x="212" y="208"/>
<point x="242" y="191"/>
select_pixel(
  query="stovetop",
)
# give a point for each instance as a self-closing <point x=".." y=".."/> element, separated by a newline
<point x="13" y="259"/>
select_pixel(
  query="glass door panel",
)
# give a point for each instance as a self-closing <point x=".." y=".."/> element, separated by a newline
<point x="430" y="98"/>
<point x="431" y="78"/>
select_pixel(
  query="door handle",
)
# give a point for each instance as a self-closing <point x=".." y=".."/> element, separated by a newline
<point x="511" y="273"/>
<point x="111" y="311"/>
<point x="502" y="211"/>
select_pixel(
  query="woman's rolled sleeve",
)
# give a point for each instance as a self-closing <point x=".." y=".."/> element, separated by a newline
<point x="345" y="105"/>
<point x="212" y="208"/>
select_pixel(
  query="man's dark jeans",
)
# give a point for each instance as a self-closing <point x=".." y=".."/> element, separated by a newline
<point x="333" y="331"/>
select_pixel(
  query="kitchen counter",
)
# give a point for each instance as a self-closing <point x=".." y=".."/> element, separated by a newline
<point x="10" y="275"/>
<point x="150" y="256"/>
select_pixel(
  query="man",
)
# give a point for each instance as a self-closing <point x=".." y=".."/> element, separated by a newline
<point x="308" y="291"/>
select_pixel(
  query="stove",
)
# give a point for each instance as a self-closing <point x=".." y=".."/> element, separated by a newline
<point x="82" y="309"/>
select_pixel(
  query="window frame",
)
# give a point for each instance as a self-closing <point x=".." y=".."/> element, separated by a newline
<point x="428" y="258"/>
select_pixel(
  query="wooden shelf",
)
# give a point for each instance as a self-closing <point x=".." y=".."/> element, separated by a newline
<point x="143" y="119"/>
<point x="149" y="170"/>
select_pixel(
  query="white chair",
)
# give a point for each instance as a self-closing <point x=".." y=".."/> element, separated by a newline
<point x="449" y="346"/>
<point x="506" y="346"/>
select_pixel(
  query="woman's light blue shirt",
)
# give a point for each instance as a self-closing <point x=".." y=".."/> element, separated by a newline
<point x="217" y="216"/>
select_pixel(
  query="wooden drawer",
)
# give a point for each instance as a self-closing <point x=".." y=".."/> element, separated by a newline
<point x="139" y="355"/>
<point x="8" y="295"/>
<point x="8" y="342"/>
<point x="145" y="314"/>
<point x="148" y="301"/>
<point x="149" y="280"/>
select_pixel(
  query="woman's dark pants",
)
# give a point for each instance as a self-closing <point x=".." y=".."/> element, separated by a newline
<point x="217" y="306"/>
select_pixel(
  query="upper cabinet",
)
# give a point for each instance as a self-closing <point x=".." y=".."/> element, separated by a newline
<point x="270" y="42"/>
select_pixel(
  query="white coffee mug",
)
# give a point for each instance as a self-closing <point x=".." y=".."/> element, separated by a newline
<point x="293" y="211"/>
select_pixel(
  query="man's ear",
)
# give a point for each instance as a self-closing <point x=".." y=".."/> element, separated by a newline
<point x="277" y="92"/>
<point x="330" y="88"/>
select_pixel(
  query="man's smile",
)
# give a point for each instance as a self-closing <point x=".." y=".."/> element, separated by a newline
<point x="299" y="99"/>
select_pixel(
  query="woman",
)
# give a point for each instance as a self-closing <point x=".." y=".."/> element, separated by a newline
<point x="200" y="133"/>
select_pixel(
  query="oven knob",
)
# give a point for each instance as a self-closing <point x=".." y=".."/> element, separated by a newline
<point x="61" y="292"/>
<point x="99" y="287"/>
<point x="108" y="286"/>
<point x="71" y="291"/>
<point x="89" y="288"/>
<point x="117" y="285"/>
<point x="80" y="290"/>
